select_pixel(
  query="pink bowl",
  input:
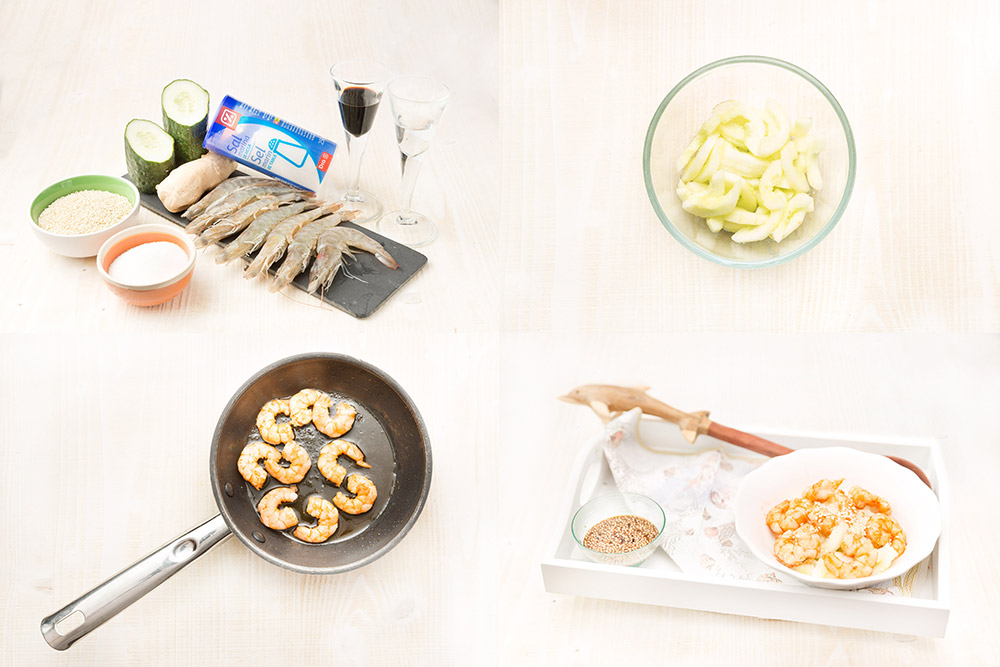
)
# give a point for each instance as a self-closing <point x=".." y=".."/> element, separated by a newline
<point x="146" y="295"/>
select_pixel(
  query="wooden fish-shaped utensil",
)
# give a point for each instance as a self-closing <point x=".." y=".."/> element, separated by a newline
<point x="607" y="401"/>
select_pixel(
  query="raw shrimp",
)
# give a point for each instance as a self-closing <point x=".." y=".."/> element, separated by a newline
<point x="238" y="220"/>
<point x="300" y="250"/>
<point x="277" y="239"/>
<point x="883" y="530"/>
<point x="327" y="519"/>
<point x="239" y="199"/>
<point x="331" y="247"/>
<point x="792" y="548"/>
<point x="270" y="430"/>
<point x="337" y="425"/>
<point x="223" y="189"/>
<point x="248" y="464"/>
<point x="862" y="499"/>
<point x="788" y="515"/>
<point x="822" y="490"/>
<point x="327" y="461"/>
<point x="297" y="457"/>
<point x="365" y="494"/>
<point x="268" y="507"/>
<point x="301" y="405"/>
<point x="254" y="235"/>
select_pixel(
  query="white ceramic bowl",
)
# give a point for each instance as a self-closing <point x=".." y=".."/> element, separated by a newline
<point x="83" y="245"/>
<point x="151" y="294"/>
<point x="914" y="505"/>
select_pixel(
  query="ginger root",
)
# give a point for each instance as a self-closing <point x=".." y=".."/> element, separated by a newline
<point x="189" y="182"/>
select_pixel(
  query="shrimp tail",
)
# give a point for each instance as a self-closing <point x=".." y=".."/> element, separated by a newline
<point x="295" y="262"/>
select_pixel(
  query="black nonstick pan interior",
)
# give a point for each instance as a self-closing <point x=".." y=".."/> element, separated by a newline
<point x="388" y="429"/>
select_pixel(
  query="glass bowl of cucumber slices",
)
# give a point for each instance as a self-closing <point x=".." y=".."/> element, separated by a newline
<point x="749" y="161"/>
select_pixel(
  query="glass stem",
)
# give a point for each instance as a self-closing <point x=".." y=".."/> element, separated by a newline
<point x="411" y="165"/>
<point x="355" y="151"/>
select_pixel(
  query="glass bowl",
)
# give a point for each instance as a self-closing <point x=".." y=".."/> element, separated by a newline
<point x="751" y="80"/>
<point x="614" y="504"/>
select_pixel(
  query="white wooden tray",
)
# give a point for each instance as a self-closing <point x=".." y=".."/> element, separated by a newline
<point x="659" y="581"/>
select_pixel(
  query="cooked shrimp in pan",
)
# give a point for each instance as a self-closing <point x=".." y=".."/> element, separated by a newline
<point x="272" y="514"/>
<point x="365" y="495"/>
<point x="327" y="462"/>
<point x="269" y="428"/>
<point x="248" y="463"/>
<point x="297" y="457"/>
<point x="337" y="425"/>
<point x="327" y="519"/>
<point x="302" y="404"/>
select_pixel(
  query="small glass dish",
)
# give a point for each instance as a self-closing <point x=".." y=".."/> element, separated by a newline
<point x="751" y="80"/>
<point x="615" y="504"/>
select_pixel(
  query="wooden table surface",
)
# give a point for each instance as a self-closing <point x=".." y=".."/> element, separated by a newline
<point x="583" y="248"/>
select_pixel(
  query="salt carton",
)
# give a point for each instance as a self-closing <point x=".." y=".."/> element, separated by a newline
<point x="269" y="144"/>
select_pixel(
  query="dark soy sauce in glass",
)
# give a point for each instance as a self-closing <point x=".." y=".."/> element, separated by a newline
<point x="357" y="109"/>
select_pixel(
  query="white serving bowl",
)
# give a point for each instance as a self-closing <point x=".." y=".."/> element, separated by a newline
<point x="83" y="245"/>
<point x="914" y="505"/>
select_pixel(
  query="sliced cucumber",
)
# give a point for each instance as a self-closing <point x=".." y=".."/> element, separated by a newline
<point x="149" y="154"/>
<point x="185" y="117"/>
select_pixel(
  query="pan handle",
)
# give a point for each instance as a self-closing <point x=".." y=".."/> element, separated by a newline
<point x="92" y="609"/>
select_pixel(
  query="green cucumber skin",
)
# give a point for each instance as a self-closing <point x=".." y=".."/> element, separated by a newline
<point x="188" y="140"/>
<point x="144" y="174"/>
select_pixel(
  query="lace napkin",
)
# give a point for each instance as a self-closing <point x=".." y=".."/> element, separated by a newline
<point x="696" y="492"/>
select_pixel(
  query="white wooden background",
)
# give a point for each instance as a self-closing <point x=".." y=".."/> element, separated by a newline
<point x="917" y="249"/>
<point x="937" y="386"/>
<point x="107" y="410"/>
<point x="74" y="73"/>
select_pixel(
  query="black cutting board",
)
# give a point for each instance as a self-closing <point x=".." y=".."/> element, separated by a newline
<point x="362" y="284"/>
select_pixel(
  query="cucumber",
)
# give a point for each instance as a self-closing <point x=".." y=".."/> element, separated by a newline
<point x="149" y="154"/>
<point x="185" y="117"/>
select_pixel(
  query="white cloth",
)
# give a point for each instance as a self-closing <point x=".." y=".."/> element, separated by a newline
<point x="696" y="492"/>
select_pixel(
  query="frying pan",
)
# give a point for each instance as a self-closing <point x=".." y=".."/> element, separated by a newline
<point x="373" y="391"/>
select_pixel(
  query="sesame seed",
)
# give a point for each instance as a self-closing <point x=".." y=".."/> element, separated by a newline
<point x="620" y="534"/>
<point x="84" y="212"/>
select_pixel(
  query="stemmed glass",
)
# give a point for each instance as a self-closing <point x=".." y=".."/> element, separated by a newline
<point x="359" y="85"/>
<point x="417" y="104"/>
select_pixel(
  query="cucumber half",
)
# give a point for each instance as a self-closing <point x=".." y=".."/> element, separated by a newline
<point x="149" y="154"/>
<point x="185" y="117"/>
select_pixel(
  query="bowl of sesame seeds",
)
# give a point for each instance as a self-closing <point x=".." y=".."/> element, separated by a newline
<point x="619" y="528"/>
<point x="75" y="216"/>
